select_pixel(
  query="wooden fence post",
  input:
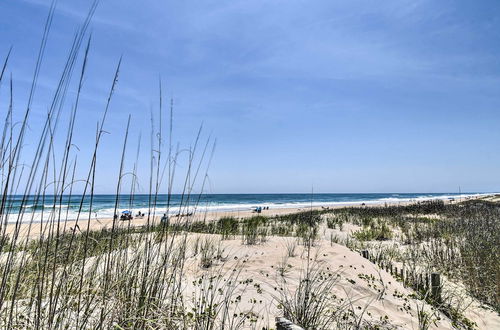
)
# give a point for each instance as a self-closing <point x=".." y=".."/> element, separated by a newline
<point x="436" y="286"/>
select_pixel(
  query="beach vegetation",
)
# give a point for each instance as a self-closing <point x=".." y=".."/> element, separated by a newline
<point x="227" y="227"/>
<point x="458" y="240"/>
<point x="378" y="231"/>
<point x="253" y="230"/>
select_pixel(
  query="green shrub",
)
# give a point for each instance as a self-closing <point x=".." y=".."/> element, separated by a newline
<point x="378" y="232"/>
<point x="227" y="227"/>
<point x="252" y="229"/>
<point x="308" y="233"/>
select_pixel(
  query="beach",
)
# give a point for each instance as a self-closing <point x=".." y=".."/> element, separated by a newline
<point x="269" y="269"/>
<point x="35" y="229"/>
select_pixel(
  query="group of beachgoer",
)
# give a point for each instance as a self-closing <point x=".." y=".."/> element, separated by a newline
<point x="259" y="209"/>
<point x="184" y="214"/>
<point x="127" y="215"/>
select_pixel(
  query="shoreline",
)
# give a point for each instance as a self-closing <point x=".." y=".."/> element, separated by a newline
<point x="37" y="228"/>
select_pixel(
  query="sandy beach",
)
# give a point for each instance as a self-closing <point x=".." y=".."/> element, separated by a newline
<point x="359" y="281"/>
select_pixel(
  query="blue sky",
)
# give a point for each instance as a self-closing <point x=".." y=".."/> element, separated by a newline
<point x="341" y="96"/>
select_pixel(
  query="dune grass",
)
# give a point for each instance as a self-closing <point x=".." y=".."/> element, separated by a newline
<point x="459" y="240"/>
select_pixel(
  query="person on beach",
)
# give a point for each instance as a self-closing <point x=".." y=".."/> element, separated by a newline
<point x="165" y="220"/>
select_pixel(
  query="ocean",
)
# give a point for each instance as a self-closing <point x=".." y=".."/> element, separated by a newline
<point x="103" y="206"/>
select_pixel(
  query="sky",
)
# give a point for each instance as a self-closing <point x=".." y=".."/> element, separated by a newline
<point x="329" y="96"/>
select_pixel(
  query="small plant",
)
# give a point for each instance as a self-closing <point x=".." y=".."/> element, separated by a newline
<point x="336" y="239"/>
<point x="208" y="252"/>
<point x="252" y="229"/>
<point x="216" y="301"/>
<point x="263" y="232"/>
<point x="283" y="266"/>
<point x="291" y="246"/>
<point x="220" y="253"/>
<point x="312" y="305"/>
<point x="308" y="233"/>
<point x="227" y="227"/>
<point x="335" y="220"/>
<point x="196" y="245"/>
<point x="380" y="232"/>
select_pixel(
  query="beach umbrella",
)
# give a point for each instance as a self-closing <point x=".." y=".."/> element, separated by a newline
<point x="126" y="212"/>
